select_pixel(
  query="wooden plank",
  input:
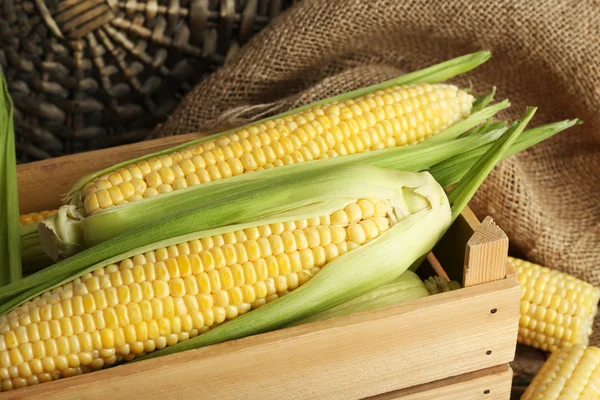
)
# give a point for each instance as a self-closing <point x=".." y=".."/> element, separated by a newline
<point x="43" y="183"/>
<point x="486" y="254"/>
<point x="362" y="355"/>
<point x="490" y="383"/>
<point x="450" y="250"/>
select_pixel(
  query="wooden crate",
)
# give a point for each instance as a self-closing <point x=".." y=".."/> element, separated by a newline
<point x="454" y="345"/>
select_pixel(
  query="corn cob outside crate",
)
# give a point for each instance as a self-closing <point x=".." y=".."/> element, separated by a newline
<point x="166" y="295"/>
<point x="556" y="308"/>
<point x="573" y="372"/>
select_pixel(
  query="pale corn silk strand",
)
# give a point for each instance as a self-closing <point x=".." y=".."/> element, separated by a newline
<point x="396" y="116"/>
<point x="168" y="295"/>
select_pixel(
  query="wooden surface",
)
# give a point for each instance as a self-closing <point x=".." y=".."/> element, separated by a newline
<point x="42" y="183"/>
<point x="363" y="355"/>
<point x="486" y="254"/>
<point x="451" y="249"/>
<point x="491" y="383"/>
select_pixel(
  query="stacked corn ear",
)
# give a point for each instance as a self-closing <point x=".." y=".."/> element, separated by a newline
<point x="572" y="372"/>
<point x="557" y="309"/>
<point x="33" y="257"/>
<point x="407" y="286"/>
<point x="188" y="287"/>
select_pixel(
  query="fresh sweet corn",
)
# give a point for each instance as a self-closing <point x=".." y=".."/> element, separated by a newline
<point x="171" y="294"/>
<point x="570" y="373"/>
<point x="391" y="117"/>
<point x="34" y="217"/>
<point x="556" y="308"/>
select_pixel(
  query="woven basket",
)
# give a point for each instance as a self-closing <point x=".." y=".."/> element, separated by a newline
<point x="86" y="74"/>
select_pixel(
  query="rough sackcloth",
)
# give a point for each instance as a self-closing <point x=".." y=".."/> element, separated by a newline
<point x="545" y="53"/>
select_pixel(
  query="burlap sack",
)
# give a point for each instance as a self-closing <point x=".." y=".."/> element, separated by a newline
<point x="545" y="53"/>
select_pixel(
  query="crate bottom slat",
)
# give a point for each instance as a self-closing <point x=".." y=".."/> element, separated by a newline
<point x="491" y="383"/>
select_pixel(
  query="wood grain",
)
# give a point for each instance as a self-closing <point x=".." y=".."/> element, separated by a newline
<point x="486" y="254"/>
<point x="43" y="183"/>
<point x="450" y="250"/>
<point x="356" y="356"/>
<point x="491" y="383"/>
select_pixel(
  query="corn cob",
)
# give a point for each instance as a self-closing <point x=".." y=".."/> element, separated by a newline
<point x="556" y="308"/>
<point x="391" y="117"/>
<point x="168" y="295"/>
<point x="34" y="217"/>
<point x="572" y="372"/>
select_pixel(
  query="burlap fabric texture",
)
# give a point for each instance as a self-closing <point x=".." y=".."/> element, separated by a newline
<point x="545" y="53"/>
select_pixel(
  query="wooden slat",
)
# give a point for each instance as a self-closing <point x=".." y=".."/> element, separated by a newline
<point x="486" y="254"/>
<point x="42" y="183"/>
<point x="450" y="250"/>
<point x="363" y="355"/>
<point x="489" y="384"/>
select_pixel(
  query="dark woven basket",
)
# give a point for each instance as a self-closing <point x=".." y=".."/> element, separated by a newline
<point x="86" y="74"/>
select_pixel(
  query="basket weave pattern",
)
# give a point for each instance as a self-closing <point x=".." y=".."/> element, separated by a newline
<point x="86" y="74"/>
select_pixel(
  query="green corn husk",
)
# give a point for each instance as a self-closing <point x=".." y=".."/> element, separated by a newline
<point x="10" y="251"/>
<point x="33" y="257"/>
<point x="407" y="286"/>
<point x="453" y="168"/>
<point x="437" y="284"/>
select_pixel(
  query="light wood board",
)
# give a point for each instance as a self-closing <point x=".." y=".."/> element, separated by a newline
<point x="488" y="384"/>
<point x="351" y="357"/>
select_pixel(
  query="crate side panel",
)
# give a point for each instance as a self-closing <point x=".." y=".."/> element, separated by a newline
<point x="363" y="355"/>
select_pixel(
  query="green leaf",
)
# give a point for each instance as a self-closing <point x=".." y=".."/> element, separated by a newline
<point x="10" y="248"/>
<point x="460" y="195"/>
